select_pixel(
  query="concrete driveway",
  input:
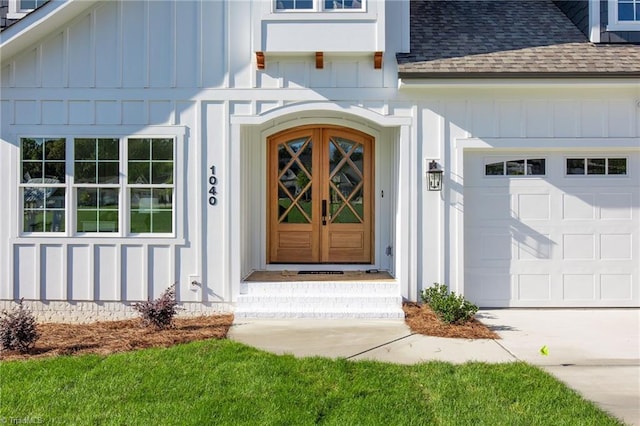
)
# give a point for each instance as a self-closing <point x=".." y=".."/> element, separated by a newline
<point x="594" y="351"/>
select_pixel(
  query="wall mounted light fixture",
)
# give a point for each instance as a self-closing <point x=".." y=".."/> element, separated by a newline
<point x="434" y="176"/>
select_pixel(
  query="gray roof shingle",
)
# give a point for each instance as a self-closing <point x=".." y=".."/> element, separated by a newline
<point x="487" y="38"/>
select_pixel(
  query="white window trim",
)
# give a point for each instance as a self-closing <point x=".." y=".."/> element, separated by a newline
<point x="318" y="8"/>
<point x="504" y="160"/>
<point x="178" y="133"/>
<point x="614" y="24"/>
<point x="594" y="176"/>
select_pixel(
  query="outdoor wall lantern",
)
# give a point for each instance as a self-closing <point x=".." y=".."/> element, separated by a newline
<point x="434" y="176"/>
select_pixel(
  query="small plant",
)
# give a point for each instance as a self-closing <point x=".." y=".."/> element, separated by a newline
<point x="449" y="307"/>
<point x="18" y="329"/>
<point x="159" y="313"/>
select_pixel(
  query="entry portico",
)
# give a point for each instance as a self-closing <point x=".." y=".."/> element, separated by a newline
<point x="392" y="203"/>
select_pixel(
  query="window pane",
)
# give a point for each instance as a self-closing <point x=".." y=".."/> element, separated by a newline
<point x="108" y="172"/>
<point x="54" y="172"/>
<point x="139" y="149"/>
<point x="151" y="210"/>
<point x="139" y="173"/>
<point x="625" y="12"/>
<point x="84" y="172"/>
<point x="87" y="198"/>
<point x="284" y="4"/>
<point x="108" y="221"/>
<point x="294" y="4"/>
<point x="151" y="163"/>
<point x="575" y="166"/>
<point x="617" y="166"/>
<point x="54" y="149"/>
<point x="596" y="166"/>
<point x="43" y="209"/>
<point x="494" y="169"/>
<point x="32" y="149"/>
<point x="162" y="149"/>
<point x="536" y="166"/>
<point x="165" y="198"/>
<point x="87" y="221"/>
<point x="108" y="149"/>
<point x="303" y="4"/>
<point x="515" y="167"/>
<point x="27" y="4"/>
<point x="108" y="198"/>
<point x="141" y="202"/>
<point x="32" y="172"/>
<point x="161" y="221"/>
<point x="85" y="149"/>
<point x="47" y="220"/>
<point x="343" y="4"/>
<point x="162" y="173"/>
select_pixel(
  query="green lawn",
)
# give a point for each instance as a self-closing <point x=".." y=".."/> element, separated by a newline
<point x="219" y="382"/>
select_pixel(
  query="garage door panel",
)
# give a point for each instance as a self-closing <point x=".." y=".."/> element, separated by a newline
<point x="578" y="246"/>
<point x="578" y="206"/>
<point x="532" y="287"/>
<point x="552" y="240"/>
<point x="533" y="246"/>
<point x="616" y="206"/>
<point x="616" y="246"/>
<point x="578" y="287"/>
<point x="616" y="287"/>
<point x="533" y="206"/>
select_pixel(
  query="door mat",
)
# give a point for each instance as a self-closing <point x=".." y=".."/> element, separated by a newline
<point x="320" y="272"/>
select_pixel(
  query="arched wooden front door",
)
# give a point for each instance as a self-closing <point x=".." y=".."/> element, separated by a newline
<point x="320" y="196"/>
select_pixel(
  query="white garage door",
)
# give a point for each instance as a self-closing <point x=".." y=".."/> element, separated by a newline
<point x="552" y="230"/>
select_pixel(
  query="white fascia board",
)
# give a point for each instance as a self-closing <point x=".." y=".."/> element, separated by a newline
<point x="38" y="23"/>
<point x="410" y="84"/>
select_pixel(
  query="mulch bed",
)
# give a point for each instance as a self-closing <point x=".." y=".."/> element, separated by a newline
<point x="422" y="320"/>
<point x="108" y="337"/>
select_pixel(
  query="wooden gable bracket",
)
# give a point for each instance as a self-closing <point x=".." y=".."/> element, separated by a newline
<point x="319" y="60"/>
<point x="377" y="60"/>
<point x="260" y="60"/>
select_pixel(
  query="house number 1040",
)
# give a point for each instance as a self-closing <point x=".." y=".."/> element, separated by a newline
<point x="213" y="181"/>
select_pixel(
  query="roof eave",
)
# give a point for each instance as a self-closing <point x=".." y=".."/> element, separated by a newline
<point x="414" y="80"/>
<point x="417" y="75"/>
<point x="33" y="26"/>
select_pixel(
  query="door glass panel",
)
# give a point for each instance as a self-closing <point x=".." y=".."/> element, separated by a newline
<point x="294" y="181"/>
<point x="345" y="183"/>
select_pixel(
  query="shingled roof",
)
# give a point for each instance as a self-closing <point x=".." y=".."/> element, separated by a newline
<point x="506" y="38"/>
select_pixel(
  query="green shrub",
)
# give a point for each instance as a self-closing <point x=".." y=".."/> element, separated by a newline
<point x="449" y="307"/>
<point x="159" y="313"/>
<point x="18" y="329"/>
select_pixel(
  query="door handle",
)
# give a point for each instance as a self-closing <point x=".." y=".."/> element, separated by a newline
<point x="324" y="212"/>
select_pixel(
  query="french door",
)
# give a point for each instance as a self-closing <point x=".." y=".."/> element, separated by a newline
<point x="320" y="204"/>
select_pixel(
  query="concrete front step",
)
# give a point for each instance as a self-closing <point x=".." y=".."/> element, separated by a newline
<point x="319" y="299"/>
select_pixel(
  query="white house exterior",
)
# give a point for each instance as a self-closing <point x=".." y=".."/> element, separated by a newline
<point x="146" y="143"/>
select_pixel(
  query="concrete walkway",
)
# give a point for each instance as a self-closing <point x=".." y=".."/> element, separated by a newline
<point x="594" y="351"/>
